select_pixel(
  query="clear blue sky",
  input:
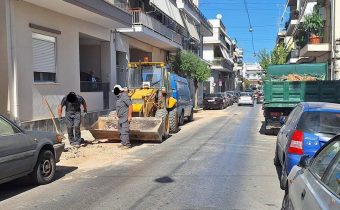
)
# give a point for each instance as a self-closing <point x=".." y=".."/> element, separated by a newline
<point x="264" y="16"/>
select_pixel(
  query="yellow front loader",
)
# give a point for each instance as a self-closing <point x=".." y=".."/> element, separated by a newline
<point x="154" y="108"/>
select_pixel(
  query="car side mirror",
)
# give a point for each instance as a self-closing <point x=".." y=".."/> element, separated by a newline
<point x="304" y="161"/>
<point x="282" y="120"/>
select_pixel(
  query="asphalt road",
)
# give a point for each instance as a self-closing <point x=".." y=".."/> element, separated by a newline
<point x="219" y="161"/>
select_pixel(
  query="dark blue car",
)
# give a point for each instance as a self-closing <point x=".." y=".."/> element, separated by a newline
<point x="308" y="127"/>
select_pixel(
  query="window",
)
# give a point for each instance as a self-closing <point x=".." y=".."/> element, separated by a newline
<point x="6" y="129"/>
<point x="323" y="159"/>
<point x="320" y="122"/>
<point x="44" y="58"/>
<point x="332" y="180"/>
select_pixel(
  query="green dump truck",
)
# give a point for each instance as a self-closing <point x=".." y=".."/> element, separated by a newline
<point x="287" y="85"/>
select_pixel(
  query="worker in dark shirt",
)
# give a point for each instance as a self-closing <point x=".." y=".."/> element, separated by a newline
<point x="124" y="113"/>
<point x="73" y="103"/>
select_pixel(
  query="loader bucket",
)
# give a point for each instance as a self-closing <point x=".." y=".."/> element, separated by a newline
<point x="141" y="129"/>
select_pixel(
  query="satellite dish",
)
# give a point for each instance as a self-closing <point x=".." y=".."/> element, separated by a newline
<point x="219" y="16"/>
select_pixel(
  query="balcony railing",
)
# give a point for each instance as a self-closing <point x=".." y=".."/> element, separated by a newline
<point x="198" y="11"/>
<point x="122" y="4"/>
<point x="139" y="17"/>
<point x="87" y="86"/>
<point x="225" y="63"/>
<point x="294" y="53"/>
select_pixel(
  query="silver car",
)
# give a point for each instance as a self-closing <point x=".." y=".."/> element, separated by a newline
<point x="246" y="98"/>
<point x="28" y="153"/>
<point x="315" y="184"/>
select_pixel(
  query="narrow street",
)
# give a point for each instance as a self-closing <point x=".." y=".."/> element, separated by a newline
<point x="219" y="161"/>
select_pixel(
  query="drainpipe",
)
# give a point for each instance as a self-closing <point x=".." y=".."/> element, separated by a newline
<point x="335" y="45"/>
<point x="13" y="71"/>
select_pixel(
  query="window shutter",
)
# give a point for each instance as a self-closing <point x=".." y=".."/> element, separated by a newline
<point x="44" y="53"/>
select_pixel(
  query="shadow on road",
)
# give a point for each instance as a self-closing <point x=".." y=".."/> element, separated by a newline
<point x="21" y="185"/>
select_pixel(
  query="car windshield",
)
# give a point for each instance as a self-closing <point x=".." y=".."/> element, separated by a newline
<point x="320" y="122"/>
<point x="214" y="95"/>
<point x="245" y="94"/>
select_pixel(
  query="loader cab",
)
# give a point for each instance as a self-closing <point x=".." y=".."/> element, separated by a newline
<point x="148" y="75"/>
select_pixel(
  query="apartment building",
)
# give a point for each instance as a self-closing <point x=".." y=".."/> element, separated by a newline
<point x="238" y="67"/>
<point x="303" y="47"/>
<point x="49" y="48"/>
<point x="56" y="46"/>
<point x="253" y="73"/>
<point x="219" y="50"/>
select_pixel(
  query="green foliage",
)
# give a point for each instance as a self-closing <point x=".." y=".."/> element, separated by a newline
<point x="279" y="54"/>
<point x="313" y="23"/>
<point x="301" y="36"/>
<point x="276" y="57"/>
<point x="189" y="65"/>
<point x="264" y="58"/>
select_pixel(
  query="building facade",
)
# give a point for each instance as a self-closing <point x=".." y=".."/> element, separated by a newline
<point x="302" y="47"/>
<point x="252" y="73"/>
<point x="54" y="47"/>
<point x="219" y="50"/>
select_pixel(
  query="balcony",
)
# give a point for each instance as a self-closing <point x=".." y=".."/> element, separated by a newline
<point x="150" y="30"/>
<point x="315" y="50"/>
<point x="293" y="56"/>
<point x="139" y="17"/>
<point x="292" y="2"/>
<point x="122" y="4"/>
<point x="102" y="12"/>
<point x="222" y="64"/>
<point x="291" y="24"/>
<point x="195" y="13"/>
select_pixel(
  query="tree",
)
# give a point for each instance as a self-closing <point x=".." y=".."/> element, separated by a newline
<point x="189" y="65"/>
<point x="276" y="57"/>
<point x="264" y="59"/>
<point x="279" y="54"/>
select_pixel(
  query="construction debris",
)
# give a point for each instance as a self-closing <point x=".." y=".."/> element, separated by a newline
<point x="297" y="77"/>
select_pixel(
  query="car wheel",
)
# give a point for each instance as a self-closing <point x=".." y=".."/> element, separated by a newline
<point x="181" y="118"/>
<point x="44" y="169"/>
<point x="276" y="159"/>
<point x="283" y="179"/>
<point x="191" y="117"/>
<point x="286" y="203"/>
<point x="173" y="118"/>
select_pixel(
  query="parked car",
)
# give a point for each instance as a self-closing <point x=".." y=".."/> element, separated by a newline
<point x="308" y="127"/>
<point x="214" y="101"/>
<point x="246" y="98"/>
<point x="315" y="183"/>
<point x="235" y="96"/>
<point x="230" y="97"/>
<point x="28" y="153"/>
<point x="181" y="92"/>
<point x="226" y="99"/>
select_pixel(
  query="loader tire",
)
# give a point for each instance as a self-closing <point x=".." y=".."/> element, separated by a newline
<point x="173" y="120"/>
<point x="162" y="113"/>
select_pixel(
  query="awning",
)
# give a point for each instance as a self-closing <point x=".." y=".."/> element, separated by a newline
<point x="224" y="52"/>
<point x="169" y="9"/>
<point x="191" y="28"/>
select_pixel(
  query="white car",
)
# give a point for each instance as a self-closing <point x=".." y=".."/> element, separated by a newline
<point x="315" y="184"/>
<point x="246" y="98"/>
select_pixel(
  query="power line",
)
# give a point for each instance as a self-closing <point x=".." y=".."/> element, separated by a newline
<point x="250" y="25"/>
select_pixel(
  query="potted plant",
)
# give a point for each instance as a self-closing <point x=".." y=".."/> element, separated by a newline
<point x="313" y="24"/>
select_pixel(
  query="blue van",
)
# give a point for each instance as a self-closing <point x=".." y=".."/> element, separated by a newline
<point x="181" y="92"/>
